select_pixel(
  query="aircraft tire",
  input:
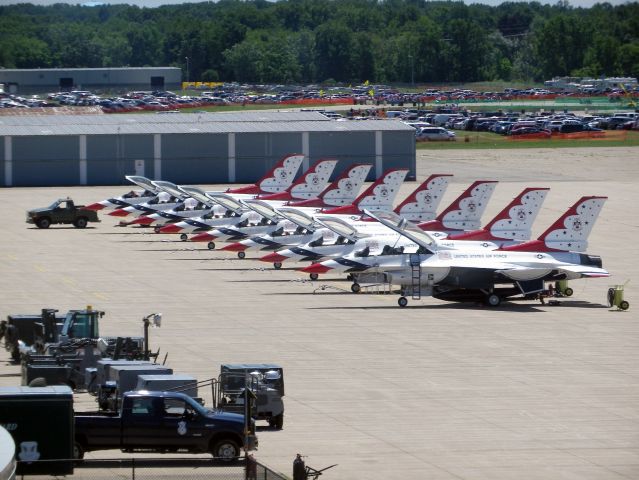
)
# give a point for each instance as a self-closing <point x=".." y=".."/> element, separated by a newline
<point x="402" y="302"/>
<point x="156" y="229"/>
<point x="314" y="276"/>
<point x="241" y="254"/>
<point x="493" y="300"/>
<point x="277" y="265"/>
<point x="184" y="237"/>
<point x="356" y="288"/>
<point x="210" y="245"/>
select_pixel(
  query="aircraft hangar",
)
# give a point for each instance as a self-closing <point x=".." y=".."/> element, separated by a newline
<point x="187" y="148"/>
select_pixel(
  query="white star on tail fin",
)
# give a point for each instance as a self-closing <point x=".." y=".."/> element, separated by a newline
<point x="422" y="204"/>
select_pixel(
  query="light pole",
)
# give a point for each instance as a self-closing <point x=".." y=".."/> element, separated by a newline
<point x="188" y="77"/>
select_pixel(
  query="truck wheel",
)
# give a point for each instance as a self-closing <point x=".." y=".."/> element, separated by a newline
<point x="226" y="450"/>
<point x="278" y="421"/>
<point x="43" y="222"/>
<point x="402" y="301"/>
<point x="80" y="222"/>
<point x="78" y="451"/>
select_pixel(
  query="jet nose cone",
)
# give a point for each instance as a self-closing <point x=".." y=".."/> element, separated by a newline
<point x="202" y="237"/>
<point x="170" y="229"/>
<point x="316" y="268"/>
<point x="273" y="258"/>
<point x="95" y="206"/>
<point x="143" y="221"/>
<point x="120" y="212"/>
<point x="235" y="247"/>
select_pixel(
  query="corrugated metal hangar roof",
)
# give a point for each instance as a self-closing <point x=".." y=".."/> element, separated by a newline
<point x="236" y="122"/>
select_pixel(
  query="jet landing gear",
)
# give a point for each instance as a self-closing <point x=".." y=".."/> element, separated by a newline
<point x="210" y="245"/>
<point x="492" y="300"/>
<point x="402" y="302"/>
<point x="184" y="237"/>
<point x="241" y="254"/>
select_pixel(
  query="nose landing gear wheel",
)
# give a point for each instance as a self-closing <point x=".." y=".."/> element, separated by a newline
<point x="356" y="288"/>
<point x="493" y="300"/>
<point x="402" y="301"/>
<point x="241" y="254"/>
<point x="184" y="237"/>
<point x="211" y="245"/>
<point x="277" y="265"/>
<point x="314" y="276"/>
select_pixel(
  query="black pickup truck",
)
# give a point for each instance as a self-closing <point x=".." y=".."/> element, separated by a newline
<point x="163" y="422"/>
<point x="62" y="210"/>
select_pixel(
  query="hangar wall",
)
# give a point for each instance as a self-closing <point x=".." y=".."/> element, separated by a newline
<point x="191" y="150"/>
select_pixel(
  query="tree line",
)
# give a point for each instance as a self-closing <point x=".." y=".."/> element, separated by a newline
<point x="310" y="41"/>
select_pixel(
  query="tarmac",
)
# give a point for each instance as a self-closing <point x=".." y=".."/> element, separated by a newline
<point x="436" y="390"/>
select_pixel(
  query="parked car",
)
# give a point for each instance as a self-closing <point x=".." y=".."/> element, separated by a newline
<point x="530" y="132"/>
<point x="431" y="134"/>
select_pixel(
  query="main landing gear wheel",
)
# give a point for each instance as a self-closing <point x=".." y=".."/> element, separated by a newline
<point x="314" y="276"/>
<point x="184" y="237"/>
<point x="277" y="265"/>
<point x="356" y="288"/>
<point x="241" y="254"/>
<point x="568" y="292"/>
<point x="210" y="245"/>
<point x="493" y="300"/>
<point x="402" y="301"/>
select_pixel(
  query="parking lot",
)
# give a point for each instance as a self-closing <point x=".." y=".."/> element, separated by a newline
<point x="433" y="391"/>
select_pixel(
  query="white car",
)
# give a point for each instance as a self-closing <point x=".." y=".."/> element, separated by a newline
<point x="431" y="134"/>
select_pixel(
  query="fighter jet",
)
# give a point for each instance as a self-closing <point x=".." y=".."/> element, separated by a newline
<point x="148" y="192"/>
<point x="342" y="190"/>
<point x="419" y="206"/>
<point x="513" y="224"/>
<point x="279" y="178"/>
<point x="309" y="185"/>
<point x="380" y="194"/>
<point x="475" y="274"/>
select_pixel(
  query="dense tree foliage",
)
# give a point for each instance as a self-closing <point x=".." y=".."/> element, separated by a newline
<point x="399" y="41"/>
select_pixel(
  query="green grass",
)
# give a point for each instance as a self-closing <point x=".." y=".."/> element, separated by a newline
<point x="479" y="140"/>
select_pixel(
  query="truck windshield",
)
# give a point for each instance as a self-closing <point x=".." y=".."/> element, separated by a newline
<point x="80" y="325"/>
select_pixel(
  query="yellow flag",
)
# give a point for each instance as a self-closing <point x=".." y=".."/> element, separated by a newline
<point x="366" y="83"/>
<point x="371" y="92"/>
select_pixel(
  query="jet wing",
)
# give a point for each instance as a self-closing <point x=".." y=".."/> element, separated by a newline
<point x="340" y="227"/>
<point x="263" y="208"/>
<point x="405" y="228"/>
<point x="585" y="271"/>
<point x="142" y="182"/>
<point x="299" y="218"/>
<point x="170" y="188"/>
<point x="198" y="194"/>
<point x="228" y="202"/>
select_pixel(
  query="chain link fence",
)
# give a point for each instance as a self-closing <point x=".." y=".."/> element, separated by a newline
<point x="157" y="469"/>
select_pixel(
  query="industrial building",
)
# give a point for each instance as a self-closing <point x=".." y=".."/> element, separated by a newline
<point x="40" y="80"/>
<point x="190" y="148"/>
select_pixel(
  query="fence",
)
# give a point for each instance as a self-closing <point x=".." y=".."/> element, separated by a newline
<point x="160" y="469"/>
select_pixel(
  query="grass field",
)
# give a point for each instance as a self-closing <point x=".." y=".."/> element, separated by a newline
<point x="473" y="140"/>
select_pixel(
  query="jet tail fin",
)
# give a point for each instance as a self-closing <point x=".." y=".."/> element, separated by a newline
<point x="570" y="232"/>
<point x="309" y="185"/>
<point x="378" y="196"/>
<point x="466" y="211"/>
<point x="278" y="179"/>
<point x="514" y="222"/>
<point x="422" y="204"/>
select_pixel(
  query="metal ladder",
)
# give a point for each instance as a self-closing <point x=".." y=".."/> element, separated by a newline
<point x="416" y="276"/>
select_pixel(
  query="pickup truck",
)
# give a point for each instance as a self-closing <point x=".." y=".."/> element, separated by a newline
<point x="163" y="422"/>
<point x="62" y="210"/>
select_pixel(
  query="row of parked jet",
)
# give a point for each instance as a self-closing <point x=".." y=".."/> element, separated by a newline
<point x="448" y="255"/>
